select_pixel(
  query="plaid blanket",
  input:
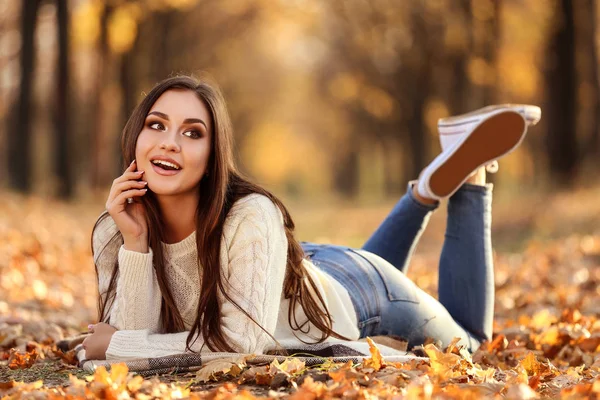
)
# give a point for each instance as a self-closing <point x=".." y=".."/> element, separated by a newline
<point x="311" y="354"/>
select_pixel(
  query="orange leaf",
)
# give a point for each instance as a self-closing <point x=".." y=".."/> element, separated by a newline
<point x="531" y="364"/>
<point x="499" y="343"/>
<point x="18" y="360"/>
<point x="375" y="361"/>
<point x="263" y="379"/>
<point x="340" y="374"/>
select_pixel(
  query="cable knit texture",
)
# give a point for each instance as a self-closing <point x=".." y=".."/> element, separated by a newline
<point x="253" y="261"/>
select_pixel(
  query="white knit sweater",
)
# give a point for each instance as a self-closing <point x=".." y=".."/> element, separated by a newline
<point x="253" y="260"/>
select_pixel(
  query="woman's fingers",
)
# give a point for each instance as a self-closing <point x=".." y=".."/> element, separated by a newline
<point x="128" y="176"/>
<point x="122" y="198"/>
<point x="119" y="188"/>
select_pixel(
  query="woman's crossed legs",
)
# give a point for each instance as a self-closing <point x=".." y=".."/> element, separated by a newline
<point x="387" y="302"/>
<point x="466" y="285"/>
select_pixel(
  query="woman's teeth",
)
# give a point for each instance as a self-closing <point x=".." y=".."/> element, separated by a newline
<point x="165" y="164"/>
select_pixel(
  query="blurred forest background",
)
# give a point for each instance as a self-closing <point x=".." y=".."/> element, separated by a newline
<point x="336" y="97"/>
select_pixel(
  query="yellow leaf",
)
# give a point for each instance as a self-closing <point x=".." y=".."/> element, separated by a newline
<point x="551" y="336"/>
<point x="135" y="383"/>
<point x="442" y="364"/>
<point x="531" y="364"/>
<point x="289" y="365"/>
<point x="543" y="319"/>
<point x="101" y="375"/>
<point x="375" y="361"/>
<point x="118" y="373"/>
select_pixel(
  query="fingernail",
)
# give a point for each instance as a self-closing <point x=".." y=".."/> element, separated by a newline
<point x="90" y="326"/>
<point x="140" y="172"/>
<point x="144" y="182"/>
<point x="133" y="162"/>
<point x="144" y="190"/>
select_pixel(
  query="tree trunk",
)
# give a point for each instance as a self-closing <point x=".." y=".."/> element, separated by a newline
<point x="561" y="140"/>
<point x="19" y="133"/>
<point x="163" y="26"/>
<point x="61" y="123"/>
<point x="587" y="36"/>
<point x="418" y="80"/>
<point x="98" y="149"/>
<point x="129" y="79"/>
<point x="461" y="85"/>
<point x="490" y="53"/>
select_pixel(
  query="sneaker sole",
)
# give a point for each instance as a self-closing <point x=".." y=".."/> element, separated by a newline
<point x="452" y="125"/>
<point x="493" y="138"/>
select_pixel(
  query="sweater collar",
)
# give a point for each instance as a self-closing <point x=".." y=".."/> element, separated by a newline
<point x="186" y="246"/>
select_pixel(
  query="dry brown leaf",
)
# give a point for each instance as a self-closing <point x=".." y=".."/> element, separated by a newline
<point x="214" y="369"/>
<point x="289" y="366"/>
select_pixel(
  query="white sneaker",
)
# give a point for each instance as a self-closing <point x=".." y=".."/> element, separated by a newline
<point x="451" y="129"/>
<point x="495" y="134"/>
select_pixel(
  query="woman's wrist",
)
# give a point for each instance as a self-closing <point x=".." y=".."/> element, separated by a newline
<point x="135" y="244"/>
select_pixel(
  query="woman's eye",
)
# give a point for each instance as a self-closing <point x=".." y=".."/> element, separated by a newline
<point x="157" y="125"/>
<point x="192" y="134"/>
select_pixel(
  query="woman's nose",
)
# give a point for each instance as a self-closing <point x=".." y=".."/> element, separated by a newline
<point x="169" y="143"/>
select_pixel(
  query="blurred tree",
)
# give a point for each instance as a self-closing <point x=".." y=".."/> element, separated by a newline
<point x="416" y="79"/>
<point x="99" y="168"/>
<point x="19" y="142"/>
<point x="489" y="49"/>
<point x="364" y="74"/>
<point x="561" y="100"/>
<point x="459" y="56"/>
<point x="61" y="123"/>
<point x="588" y="86"/>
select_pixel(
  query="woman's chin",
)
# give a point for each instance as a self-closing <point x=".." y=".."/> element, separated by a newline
<point x="165" y="191"/>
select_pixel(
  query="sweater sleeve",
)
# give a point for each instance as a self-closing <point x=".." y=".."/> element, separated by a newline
<point x="128" y="345"/>
<point x="137" y="299"/>
<point x="253" y="261"/>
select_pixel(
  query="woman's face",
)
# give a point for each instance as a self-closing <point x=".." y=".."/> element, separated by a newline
<point x="174" y="145"/>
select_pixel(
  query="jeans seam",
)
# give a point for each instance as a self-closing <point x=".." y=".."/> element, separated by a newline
<point x="347" y="282"/>
<point x="369" y="321"/>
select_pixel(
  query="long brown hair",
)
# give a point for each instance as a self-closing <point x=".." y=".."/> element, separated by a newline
<point x="226" y="185"/>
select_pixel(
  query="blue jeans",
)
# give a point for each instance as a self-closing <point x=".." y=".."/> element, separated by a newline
<point x="389" y="303"/>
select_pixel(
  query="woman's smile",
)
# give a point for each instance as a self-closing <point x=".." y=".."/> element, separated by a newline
<point x="165" y="166"/>
<point x="163" y="171"/>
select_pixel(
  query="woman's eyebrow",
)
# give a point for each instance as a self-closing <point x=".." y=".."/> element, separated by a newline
<point x="194" y="121"/>
<point x="185" y="121"/>
<point x="159" y="114"/>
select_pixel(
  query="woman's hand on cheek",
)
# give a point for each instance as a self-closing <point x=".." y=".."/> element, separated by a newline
<point x="96" y="344"/>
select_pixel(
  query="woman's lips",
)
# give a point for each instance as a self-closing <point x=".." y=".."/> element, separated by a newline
<point x="165" y="172"/>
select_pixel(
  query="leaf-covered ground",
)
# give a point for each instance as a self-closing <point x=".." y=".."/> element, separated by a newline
<point x="547" y="326"/>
